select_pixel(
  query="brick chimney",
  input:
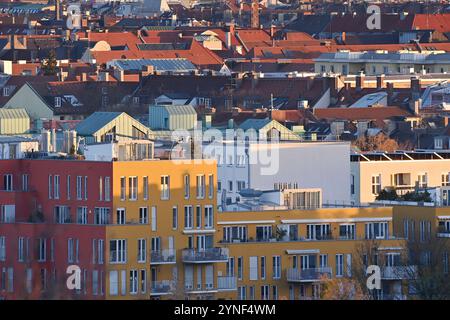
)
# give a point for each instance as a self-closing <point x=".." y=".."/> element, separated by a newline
<point x="390" y="92"/>
<point x="380" y="81"/>
<point x="360" y="81"/>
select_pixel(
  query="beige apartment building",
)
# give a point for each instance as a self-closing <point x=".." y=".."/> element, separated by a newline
<point x="404" y="171"/>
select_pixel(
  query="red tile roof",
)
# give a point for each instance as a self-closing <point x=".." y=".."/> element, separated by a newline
<point x="351" y="114"/>
<point x="438" y="22"/>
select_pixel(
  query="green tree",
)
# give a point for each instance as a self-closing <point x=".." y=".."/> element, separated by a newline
<point x="50" y="66"/>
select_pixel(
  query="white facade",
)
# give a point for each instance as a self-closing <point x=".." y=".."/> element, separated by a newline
<point x="268" y="166"/>
<point x="16" y="149"/>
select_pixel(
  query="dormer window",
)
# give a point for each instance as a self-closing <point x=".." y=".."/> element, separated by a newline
<point x="438" y="143"/>
<point x="6" y="91"/>
<point x="136" y="100"/>
<point x="58" y="102"/>
<point x="105" y="90"/>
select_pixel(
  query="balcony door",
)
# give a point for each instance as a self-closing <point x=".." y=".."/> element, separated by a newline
<point x="307" y="262"/>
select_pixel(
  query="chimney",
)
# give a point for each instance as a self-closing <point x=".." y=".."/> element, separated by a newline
<point x="57" y="10"/>
<point x="343" y="37"/>
<point x="380" y="81"/>
<point x="84" y="77"/>
<point x="415" y="88"/>
<point x="360" y="81"/>
<point x="255" y="15"/>
<point x="390" y="92"/>
<point x="272" y="31"/>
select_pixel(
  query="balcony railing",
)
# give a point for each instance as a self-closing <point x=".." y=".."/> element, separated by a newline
<point x="226" y="283"/>
<point x="308" y="275"/>
<point x="398" y="272"/>
<point x="205" y="255"/>
<point x="167" y="256"/>
<point x="162" y="287"/>
<point x="190" y="287"/>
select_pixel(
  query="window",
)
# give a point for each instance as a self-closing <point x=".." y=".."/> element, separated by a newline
<point x="352" y="184"/>
<point x="20" y="249"/>
<point x="107" y="189"/>
<point x="50" y="186"/>
<point x="143" y="281"/>
<point x="70" y="248"/>
<point x="230" y="185"/>
<point x="377" y="230"/>
<point x="318" y="231"/>
<point x="79" y="188"/>
<point x="143" y="215"/>
<point x="339" y="265"/>
<point x="68" y="188"/>
<point x="201" y="187"/>
<point x="211" y="186"/>
<point x="263" y="233"/>
<point x="120" y="216"/>
<point x="145" y="186"/>
<point x="187" y="186"/>
<point x="165" y="185"/>
<point x="94" y="282"/>
<point x="188" y="218"/>
<point x="58" y="102"/>
<point x="198" y="216"/>
<point x="101" y="215"/>
<point x="262" y="262"/>
<point x="347" y="231"/>
<point x="230" y="267"/>
<point x="10" y="280"/>
<point x="445" y="178"/>
<point x="265" y="292"/>
<point x="85" y="188"/>
<point x="376" y="184"/>
<point x="117" y="251"/>
<point x="240" y="185"/>
<point x="142" y="250"/>
<point x="209" y="217"/>
<point x="323" y="260"/>
<point x="174" y="218"/>
<point x="276" y="267"/>
<point x="422" y="180"/>
<point x="101" y="250"/>
<point x="113" y="283"/>
<point x="132" y="188"/>
<point x="100" y="188"/>
<point x="438" y="143"/>
<point x="237" y="233"/>
<point x="240" y="267"/>
<point x="154" y="222"/>
<point x="2" y="248"/>
<point x="274" y="293"/>
<point x="122" y="189"/>
<point x="42" y="249"/>
<point x="62" y="214"/>
<point x="82" y="217"/>
<point x="242" y="293"/>
<point x="253" y="266"/>
<point x="25" y="178"/>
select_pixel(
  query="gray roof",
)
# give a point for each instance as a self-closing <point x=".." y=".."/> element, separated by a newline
<point x="158" y="64"/>
<point x="95" y="122"/>
<point x="256" y="124"/>
<point x="15" y="139"/>
<point x="407" y="57"/>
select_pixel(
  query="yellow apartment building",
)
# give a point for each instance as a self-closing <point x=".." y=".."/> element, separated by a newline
<point x="162" y="238"/>
<point x="286" y="254"/>
<point x="166" y="240"/>
<point x="403" y="171"/>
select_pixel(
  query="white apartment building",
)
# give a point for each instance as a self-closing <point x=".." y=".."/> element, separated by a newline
<point x="403" y="171"/>
<point x="284" y="165"/>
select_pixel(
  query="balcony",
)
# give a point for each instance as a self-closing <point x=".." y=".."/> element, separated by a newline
<point x="398" y="272"/>
<point x="209" y="255"/>
<point x="226" y="283"/>
<point x="167" y="256"/>
<point x="199" y="289"/>
<point x="308" y="275"/>
<point x="164" y="287"/>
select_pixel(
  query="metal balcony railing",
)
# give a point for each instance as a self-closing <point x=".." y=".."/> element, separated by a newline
<point x="162" y="287"/>
<point x="398" y="272"/>
<point x="166" y="256"/>
<point x="307" y="275"/>
<point x="205" y="255"/>
<point x="226" y="283"/>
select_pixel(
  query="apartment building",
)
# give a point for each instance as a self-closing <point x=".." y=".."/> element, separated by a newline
<point x="403" y="171"/>
<point x="287" y="254"/>
<point x="150" y="229"/>
<point x="269" y="166"/>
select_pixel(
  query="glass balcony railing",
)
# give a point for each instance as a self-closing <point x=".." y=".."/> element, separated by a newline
<point x="207" y="255"/>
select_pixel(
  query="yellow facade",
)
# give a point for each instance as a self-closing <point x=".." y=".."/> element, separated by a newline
<point x="147" y="246"/>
